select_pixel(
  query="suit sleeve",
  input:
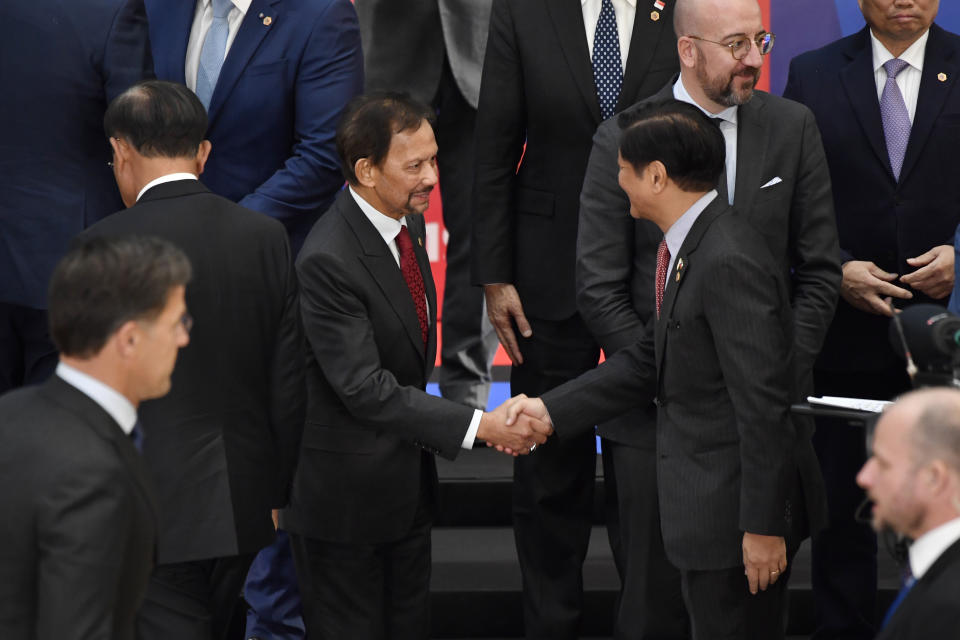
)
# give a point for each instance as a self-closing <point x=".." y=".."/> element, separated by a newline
<point x="126" y="56"/>
<point x="329" y="75"/>
<point x="753" y="352"/>
<point x="287" y="387"/>
<point x="816" y="260"/>
<point x="82" y="525"/>
<point x="343" y="341"/>
<point x="626" y="380"/>
<point x="500" y="134"/>
<point x="607" y="242"/>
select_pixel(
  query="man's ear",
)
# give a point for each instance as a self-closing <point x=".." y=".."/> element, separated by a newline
<point x="125" y="339"/>
<point x="657" y="175"/>
<point x="121" y="152"/>
<point x="203" y="153"/>
<point x="366" y="172"/>
<point x="687" y="52"/>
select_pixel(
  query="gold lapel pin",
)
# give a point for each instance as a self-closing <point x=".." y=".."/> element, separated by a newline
<point x="420" y="240"/>
<point x="654" y="15"/>
<point x="680" y="266"/>
<point x="942" y="77"/>
<point x="267" y="21"/>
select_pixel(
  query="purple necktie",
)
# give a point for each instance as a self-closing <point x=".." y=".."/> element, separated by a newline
<point x="896" y="118"/>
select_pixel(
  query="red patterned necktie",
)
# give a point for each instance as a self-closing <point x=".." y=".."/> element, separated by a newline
<point x="663" y="259"/>
<point x="411" y="273"/>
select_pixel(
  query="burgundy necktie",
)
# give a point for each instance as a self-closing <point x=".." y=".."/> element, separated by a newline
<point x="411" y="273"/>
<point x="663" y="259"/>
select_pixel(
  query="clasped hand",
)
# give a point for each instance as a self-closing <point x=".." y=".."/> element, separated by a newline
<point x="516" y="426"/>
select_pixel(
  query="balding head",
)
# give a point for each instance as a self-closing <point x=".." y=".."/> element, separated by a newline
<point x="694" y="17"/>
<point x="935" y="433"/>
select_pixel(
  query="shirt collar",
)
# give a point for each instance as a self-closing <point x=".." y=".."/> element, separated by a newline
<point x="678" y="231"/>
<point x="170" y="177"/>
<point x="387" y="227"/>
<point x="931" y="545"/>
<point x="913" y="56"/>
<point x="242" y="5"/>
<point x="680" y="93"/>
<point x="632" y="3"/>
<point x="112" y="401"/>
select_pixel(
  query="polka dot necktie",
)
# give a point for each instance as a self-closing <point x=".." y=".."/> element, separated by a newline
<point x="411" y="273"/>
<point x="607" y="70"/>
<point x="896" y="118"/>
<point x="663" y="260"/>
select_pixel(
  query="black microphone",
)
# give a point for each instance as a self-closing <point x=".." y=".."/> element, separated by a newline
<point x="929" y="336"/>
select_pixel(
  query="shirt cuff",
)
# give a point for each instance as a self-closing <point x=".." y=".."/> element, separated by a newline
<point x="471" y="434"/>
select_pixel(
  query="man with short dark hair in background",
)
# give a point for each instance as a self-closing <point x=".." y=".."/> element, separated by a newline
<point x="77" y="545"/>
<point x="224" y="442"/>
<point x="913" y="478"/>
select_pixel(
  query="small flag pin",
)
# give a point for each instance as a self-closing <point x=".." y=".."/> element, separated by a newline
<point x="658" y="4"/>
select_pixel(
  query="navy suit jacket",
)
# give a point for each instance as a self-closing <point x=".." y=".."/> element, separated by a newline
<point x="292" y="67"/>
<point x="878" y="218"/>
<point x="60" y="65"/>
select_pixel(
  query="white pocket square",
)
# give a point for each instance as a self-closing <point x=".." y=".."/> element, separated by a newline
<point x="776" y="180"/>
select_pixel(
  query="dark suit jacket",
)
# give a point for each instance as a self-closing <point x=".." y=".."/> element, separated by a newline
<point x="719" y="363"/>
<point x="77" y="543"/>
<point x="366" y="463"/>
<point x="538" y="88"/>
<point x="60" y="65"/>
<point x="274" y="111"/>
<point x="930" y="609"/>
<point x="221" y="446"/>
<point x="617" y="255"/>
<point x="879" y="219"/>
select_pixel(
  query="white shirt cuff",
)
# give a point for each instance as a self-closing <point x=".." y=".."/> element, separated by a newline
<point x="471" y="434"/>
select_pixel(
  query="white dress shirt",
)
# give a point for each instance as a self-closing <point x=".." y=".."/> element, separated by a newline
<point x="728" y="127"/>
<point x="202" y="19"/>
<point x="389" y="228"/>
<point x="909" y="79"/>
<point x="112" y="401"/>
<point x="625" y="12"/>
<point x="678" y="231"/>
<point x="931" y="545"/>
<point x="170" y="177"/>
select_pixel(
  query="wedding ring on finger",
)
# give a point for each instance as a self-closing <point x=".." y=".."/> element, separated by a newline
<point x="533" y="447"/>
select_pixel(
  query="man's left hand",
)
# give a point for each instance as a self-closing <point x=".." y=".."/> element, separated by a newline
<point x="764" y="559"/>
<point x="935" y="274"/>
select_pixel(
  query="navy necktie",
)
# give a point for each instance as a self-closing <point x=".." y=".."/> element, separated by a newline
<point x="908" y="582"/>
<point x="607" y="69"/>
<point x="136" y="436"/>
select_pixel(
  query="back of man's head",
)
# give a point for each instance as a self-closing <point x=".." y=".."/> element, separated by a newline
<point x="102" y="283"/>
<point x="369" y="123"/>
<point x="681" y="137"/>
<point x="159" y="119"/>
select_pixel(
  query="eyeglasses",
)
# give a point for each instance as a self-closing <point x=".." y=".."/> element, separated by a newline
<point x="186" y="320"/>
<point x="740" y="47"/>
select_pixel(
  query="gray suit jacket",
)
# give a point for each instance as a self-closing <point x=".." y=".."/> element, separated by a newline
<point x="719" y="363"/>
<point x="404" y="43"/>
<point x="616" y="255"/>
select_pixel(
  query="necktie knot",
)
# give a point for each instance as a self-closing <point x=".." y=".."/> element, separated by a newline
<point x="221" y="8"/>
<point x="894" y="67"/>
<point x="136" y="436"/>
<point x="404" y="242"/>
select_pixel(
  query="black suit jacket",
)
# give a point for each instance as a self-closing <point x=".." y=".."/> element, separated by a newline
<point x="77" y="542"/>
<point x="366" y="462"/>
<point x="930" y="609"/>
<point x="221" y="446"/>
<point x="776" y="139"/>
<point x="537" y="88"/>
<point x="719" y="363"/>
<point x="878" y="218"/>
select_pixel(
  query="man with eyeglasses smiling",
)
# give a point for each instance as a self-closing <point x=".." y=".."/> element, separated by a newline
<point x="777" y="180"/>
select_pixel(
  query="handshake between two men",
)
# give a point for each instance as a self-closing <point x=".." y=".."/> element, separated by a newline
<point x="517" y="427"/>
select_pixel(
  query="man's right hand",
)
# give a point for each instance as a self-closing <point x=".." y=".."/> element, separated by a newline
<point x="504" y="308"/>
<point x="865" y="285"/>
<point x="513" y="432"/>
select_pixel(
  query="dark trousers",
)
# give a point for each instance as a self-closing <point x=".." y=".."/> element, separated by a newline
<point x="844" y="555"/>
<point x="650" y="603"/>
<point x="553" y="488"/>
<point x="196" y="600"/>
<point x="366" y="591"/>
<point x="469" y="342"/>
<point x="27" y="354"/>
<point x="722" y="608"/>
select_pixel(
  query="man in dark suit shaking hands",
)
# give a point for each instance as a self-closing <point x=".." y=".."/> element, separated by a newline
<point x="913" y="479"/>
<point x="731" y="467"/>
<point x="78" y="545"/>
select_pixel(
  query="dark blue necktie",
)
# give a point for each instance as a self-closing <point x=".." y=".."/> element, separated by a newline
<point x="607" y="70"/>
<point x="908" y="582"/>
<point x="136" y="436"/>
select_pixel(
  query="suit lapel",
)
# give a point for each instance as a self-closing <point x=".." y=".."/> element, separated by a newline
<point x="251" y="33"/>
<point x="383" y="268"/>
<point x="567" y="19"/>
<point x="170" y="24"/>
<point x="939" y="59"/>
<point x="859" y="82"/>
<point x="753" y="135"/>
<point x="681" y="267"/>
<point x="646" y="33"/>
<point x="94" y="416"/>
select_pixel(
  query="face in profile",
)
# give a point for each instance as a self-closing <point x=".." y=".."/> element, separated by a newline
<point x="159" y="340"/>
<point x="633" y="184"/>
<point x="408" y="174"/>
